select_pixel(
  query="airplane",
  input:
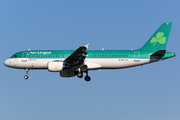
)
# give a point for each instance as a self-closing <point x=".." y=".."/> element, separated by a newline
<point x="71" y="63"/>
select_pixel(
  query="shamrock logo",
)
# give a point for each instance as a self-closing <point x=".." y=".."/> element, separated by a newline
<point x="158" y="39"/>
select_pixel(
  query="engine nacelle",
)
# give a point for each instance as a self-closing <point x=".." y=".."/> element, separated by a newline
<point x="92" y="66"/>
<point x="55" y="66"/>
<point x="67" y="73"/>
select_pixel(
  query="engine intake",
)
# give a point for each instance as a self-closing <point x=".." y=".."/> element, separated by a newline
<point x="55" y="66"/>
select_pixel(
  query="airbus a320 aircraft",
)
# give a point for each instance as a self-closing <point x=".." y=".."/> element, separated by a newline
<point x="71" y="63"/>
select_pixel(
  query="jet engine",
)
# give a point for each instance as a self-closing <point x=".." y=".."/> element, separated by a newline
<point x="67" y="73"/>
<point x="55" y="66"/>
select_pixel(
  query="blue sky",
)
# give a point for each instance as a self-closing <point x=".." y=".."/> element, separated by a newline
<point x="150" y="92"/>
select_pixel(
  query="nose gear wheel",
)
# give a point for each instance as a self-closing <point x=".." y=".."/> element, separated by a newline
<point x="26" y="76"/>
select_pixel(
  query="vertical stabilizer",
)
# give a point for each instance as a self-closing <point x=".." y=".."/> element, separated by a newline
<point x="159" y="39"/>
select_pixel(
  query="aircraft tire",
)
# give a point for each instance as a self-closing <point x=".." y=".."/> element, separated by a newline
<point x="26" y="77"/>
<point x="87" y="78"/>
<point x="79" y="74"/>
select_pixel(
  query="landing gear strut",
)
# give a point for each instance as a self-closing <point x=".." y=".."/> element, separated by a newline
<point x="87" y="78"/>
<point x="79" y="74"/>
<point x="26" y="76"/>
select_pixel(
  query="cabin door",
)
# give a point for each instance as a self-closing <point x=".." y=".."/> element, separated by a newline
<point x="136" y="56"/>
<point x="24" y="56"/>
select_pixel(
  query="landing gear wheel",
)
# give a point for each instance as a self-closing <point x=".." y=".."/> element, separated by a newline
<point x="79" y="74"/>
<point x="87" y="78"/>
<point x="26" y="77"/>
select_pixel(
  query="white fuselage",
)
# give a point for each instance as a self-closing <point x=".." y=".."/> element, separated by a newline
<point x="104" y="63"/>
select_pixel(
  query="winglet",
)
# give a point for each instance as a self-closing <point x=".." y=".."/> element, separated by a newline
<point x="86" y="46"/>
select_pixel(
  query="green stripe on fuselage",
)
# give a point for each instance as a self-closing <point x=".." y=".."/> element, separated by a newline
<point x="62" y="54"/>
<point x="90" y="54"/>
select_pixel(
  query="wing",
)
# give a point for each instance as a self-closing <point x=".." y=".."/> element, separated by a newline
<point x="78" y="56"/>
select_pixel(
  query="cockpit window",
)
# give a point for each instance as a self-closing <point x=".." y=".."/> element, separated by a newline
<point x="14" y="56"/>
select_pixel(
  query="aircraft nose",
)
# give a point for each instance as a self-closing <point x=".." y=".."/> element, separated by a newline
<point x="7" y="62"/>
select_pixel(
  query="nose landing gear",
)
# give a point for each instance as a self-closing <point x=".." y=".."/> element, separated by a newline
<point x="26" y="76"/>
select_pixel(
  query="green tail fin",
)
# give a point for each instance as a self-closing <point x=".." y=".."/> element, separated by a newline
<point x="159" y="39"/>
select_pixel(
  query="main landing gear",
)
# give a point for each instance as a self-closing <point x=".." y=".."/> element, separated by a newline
<point x="80" y="74"/>
<point x="86" y="78"/>
<point x="26" y="76"/>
